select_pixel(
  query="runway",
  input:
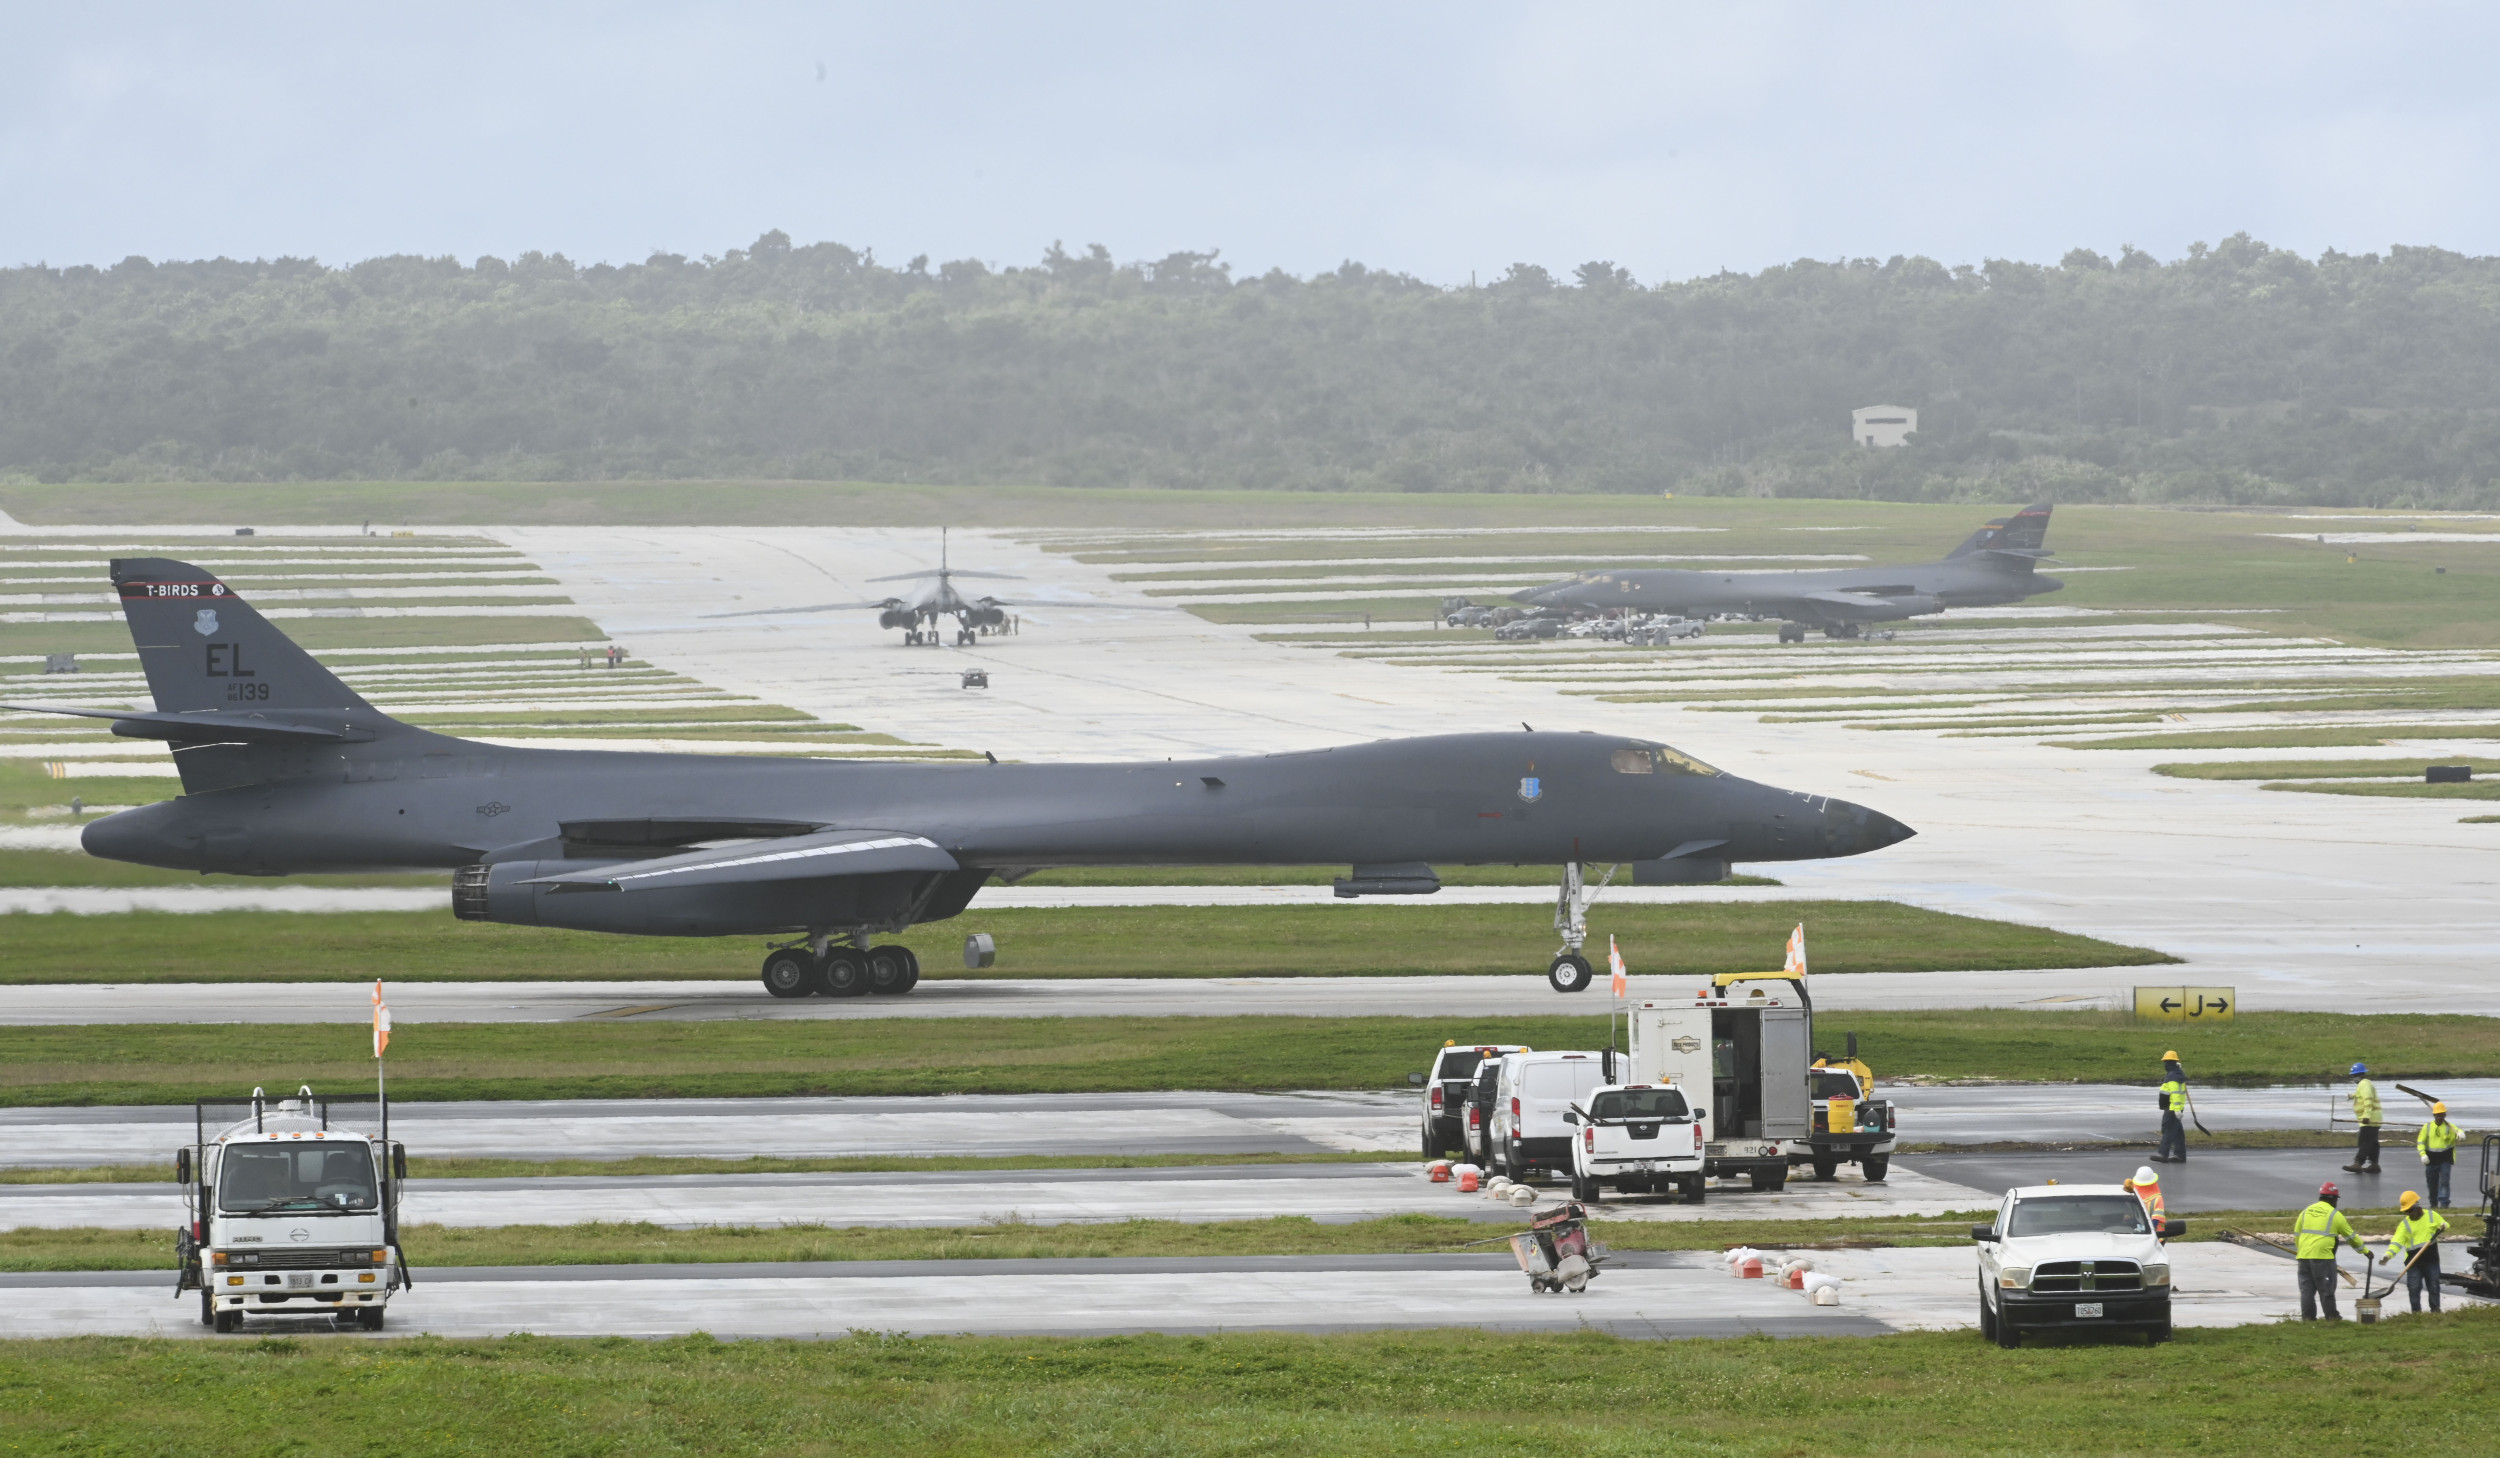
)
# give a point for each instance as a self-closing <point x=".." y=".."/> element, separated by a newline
<point x="2320" y="902"/>
<point x="1001" y="1125"/>
<point x="1641" y="1295"/>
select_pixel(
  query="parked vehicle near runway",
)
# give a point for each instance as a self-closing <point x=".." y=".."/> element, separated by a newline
<point x="1530" y="1138"/>
<point x="1744" y="1038"/>
<point x="294" y="1211"/>
<point x="2070" y="1257"/>
<point x="1640" y="1138"/>
<point x="1851" y="1126"/>
<point x="286" y="770"/>
<point x="1446" y="1086"/>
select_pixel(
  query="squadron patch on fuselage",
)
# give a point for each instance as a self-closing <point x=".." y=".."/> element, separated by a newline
<point x="205" y="623"/>
<point x="1531" y="788"/>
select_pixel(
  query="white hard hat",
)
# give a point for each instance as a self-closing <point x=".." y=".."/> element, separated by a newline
<point x="2144" y="1174"/>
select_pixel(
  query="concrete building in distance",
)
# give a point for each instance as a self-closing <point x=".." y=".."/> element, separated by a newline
<point x="1882" y="425"/>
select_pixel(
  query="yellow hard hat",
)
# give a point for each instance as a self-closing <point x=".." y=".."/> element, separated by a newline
<point x="2170" y="1057"/>
<point x="2408" y="1200"/>
<point x="2439" y="1108"/>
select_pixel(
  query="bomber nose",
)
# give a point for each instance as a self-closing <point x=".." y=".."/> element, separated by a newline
<point x="1532" y="594"/>
<point x="1850" y="830"/>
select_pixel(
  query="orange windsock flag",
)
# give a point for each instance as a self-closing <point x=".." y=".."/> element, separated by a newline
<point x="1796" y="952"/>
<point x="1614" y="960"/>
<point x="381" y="1020"/>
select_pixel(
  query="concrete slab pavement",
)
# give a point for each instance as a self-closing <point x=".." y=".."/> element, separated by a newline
<point x="1645" y="1295"/>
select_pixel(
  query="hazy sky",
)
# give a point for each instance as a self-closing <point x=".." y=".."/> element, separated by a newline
<point x="1435" y="139"/>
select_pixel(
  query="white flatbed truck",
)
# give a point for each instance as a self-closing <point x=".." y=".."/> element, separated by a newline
<point x="293" y="1207"/>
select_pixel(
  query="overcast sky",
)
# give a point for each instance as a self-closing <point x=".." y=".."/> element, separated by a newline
<point x="1437" y="139"/>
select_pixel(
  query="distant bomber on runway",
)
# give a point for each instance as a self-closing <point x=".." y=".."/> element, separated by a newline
<point x="285" y="770"/>
<point x="1997" y="565"/>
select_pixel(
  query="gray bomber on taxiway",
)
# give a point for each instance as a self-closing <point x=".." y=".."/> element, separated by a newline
<point x="1996" y="564"/>
<point x="286" y="770"/>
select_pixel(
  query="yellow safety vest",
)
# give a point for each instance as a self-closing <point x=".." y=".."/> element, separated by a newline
<point x="2365" y="1105"/>
<point x="2424" y="1228"/>
<point x="2437" y="1137"/>
<point x="2174" y="1097"/>
<point x="2314" y="1233"/>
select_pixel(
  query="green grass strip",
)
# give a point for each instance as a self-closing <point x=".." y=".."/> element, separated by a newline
<point x="1118" y="941"/>
<point x="138" y="1063"/>
<point x="2253" y="1390"/>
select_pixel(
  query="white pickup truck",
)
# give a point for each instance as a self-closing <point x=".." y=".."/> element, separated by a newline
<point x="1640" y="1138"/>
<point x="2072" y="1257"/>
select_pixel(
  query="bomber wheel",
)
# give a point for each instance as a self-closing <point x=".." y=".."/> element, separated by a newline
<point x="889" y="969"/>
<point x="843" y="973"/>
<point x="911" y="970"/>
<point x="789" y="973"/>
<point x="1875" y="1167"/>
<point x="1571" y="973"/>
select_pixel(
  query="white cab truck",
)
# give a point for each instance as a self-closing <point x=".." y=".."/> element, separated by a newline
<point x="1640" y="1138"/>
<point x="2073" y="1257"/>
<point x="1531" y="1094"/>
<point x="294" y="1211"/>
<point x="1745" y="1038"/>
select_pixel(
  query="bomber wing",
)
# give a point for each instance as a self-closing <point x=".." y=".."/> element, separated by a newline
<point x="789" y="858"/>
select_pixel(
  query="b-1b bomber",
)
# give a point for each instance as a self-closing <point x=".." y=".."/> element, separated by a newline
<point x="286" y="770"/>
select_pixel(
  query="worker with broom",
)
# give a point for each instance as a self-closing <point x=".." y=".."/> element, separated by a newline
<point x="2414" y="1247"/>
<point x="2316" y="1234"/>
<point x="2174" y="1107"/>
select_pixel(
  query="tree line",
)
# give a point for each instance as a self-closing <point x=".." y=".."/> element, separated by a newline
<point x="2238" y="373"/>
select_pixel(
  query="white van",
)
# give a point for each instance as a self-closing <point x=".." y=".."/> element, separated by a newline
<point x="1529" y="1137"/>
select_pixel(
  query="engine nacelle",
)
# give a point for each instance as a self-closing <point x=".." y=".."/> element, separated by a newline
<point x="985" y="617"/>
<point x="898" y="618"/>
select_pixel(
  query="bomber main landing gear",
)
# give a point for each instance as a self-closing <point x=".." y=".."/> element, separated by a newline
<point x="1792" y="632"/>
<point x="819" y="967"/>
<point x="1570" y="971"/>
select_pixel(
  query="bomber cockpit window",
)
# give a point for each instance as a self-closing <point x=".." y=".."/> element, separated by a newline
<point x="1658" y="759"/>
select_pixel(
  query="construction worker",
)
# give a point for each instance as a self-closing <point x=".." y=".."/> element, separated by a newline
<point x="2173" y="1101"/>
<point x="2414" y="1247"/>
<point x="2146" y="1186"/>
<point x="2365" y="1112"/>
<point x="2316" y="1233"/>
<point x="2437" y="1144"/>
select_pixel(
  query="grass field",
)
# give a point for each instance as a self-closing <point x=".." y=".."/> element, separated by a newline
<point x="141" y="1063"/>
<point x="2359" y="735"/>
<point x="2427" y="1384"/>
<point x="1125" y="941"/>
<point x="2313" y="769"/>
<point x="2473" y="790"/>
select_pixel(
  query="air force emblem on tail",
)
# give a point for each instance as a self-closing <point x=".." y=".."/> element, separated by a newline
<point x="1531" y="789"/>
<point x="205" y="623"/>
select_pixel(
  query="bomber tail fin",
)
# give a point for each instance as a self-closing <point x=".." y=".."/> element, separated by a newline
<point x="2026" y="532"/>
<point x="205" y="650"/>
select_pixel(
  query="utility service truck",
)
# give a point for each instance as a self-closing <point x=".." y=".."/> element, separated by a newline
<point x="1738" y="1049"/>
<point x="294" y="1210"/>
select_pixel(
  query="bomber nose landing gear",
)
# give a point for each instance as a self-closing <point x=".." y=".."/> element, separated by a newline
<point x="1571" y="972"/>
